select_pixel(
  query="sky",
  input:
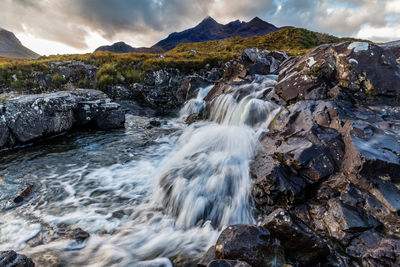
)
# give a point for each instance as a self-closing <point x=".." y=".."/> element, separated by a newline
<point x="80" y="26"/>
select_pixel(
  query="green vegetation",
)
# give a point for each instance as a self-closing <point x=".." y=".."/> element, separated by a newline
<point x="295" y="41"/>
<point x="57" y="80"/>
<point x="131" y="67"/>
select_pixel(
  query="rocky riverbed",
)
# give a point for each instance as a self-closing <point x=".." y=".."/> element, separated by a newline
<point x="287" y="160"/>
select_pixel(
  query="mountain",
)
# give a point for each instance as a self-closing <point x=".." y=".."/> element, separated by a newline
<point x="10" y="46"/>
<point x="121" y="47"/>
<point x="209" y="30"/>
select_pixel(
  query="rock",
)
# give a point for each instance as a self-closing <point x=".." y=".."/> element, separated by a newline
<point x="289" y="162"/>
<point x="228" y="263"/>
<point x="393" y="47"/>
<point x="69" y="232"/>
<point x="359" y="69"/>
<point x="302" y="245"/>
<point x="12" y="259"/>
<point x="375" y="250"/>
<point x="251" y="244"/>
<point x="29" y="117"/>
<point x="24" y="194"/>
<point x="122" y="92"/>
<point x="155" y="123"/>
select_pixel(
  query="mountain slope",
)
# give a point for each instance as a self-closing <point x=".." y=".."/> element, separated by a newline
<point x="10" y="46"/>
<point x="209" y="30"/>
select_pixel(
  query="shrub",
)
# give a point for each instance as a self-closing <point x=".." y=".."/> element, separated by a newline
<point x="57" y="80"/>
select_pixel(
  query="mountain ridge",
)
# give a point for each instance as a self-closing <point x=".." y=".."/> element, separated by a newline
<point x="209" y="30"/>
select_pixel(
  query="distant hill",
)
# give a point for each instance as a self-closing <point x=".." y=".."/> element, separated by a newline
<point x="121" y="47"/>
<point x="393" y="46"/>
<point x="11" y="47"/>
<point x="295" y="41"/>
<point x="209" y="30"/>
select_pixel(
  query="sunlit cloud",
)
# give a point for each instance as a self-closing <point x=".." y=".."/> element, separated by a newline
<point x="79" y="26"/>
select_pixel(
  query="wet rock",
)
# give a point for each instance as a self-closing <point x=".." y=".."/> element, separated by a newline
<point x="12" y="259"/>
<point x="342" y="220"/>
<point x="24" y="194"/>
<point x="287" y="164"/>
<point x="302" y="245"/>
<point x="29" y="117"/>
<point x="251" y="244"/>
<point x="155" y="123"/>
<point x="228" y="263"/>
<point x="69" y="232"/>
<point x="243" y="68"/>
<point x="373" y="249"/>
<point x="359" y="69"/>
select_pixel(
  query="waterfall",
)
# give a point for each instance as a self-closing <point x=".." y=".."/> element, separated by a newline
<point x="188" y="189"/>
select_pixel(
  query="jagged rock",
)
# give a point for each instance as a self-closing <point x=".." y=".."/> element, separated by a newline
<point x="29" y="117"/>
<point x="122" y="92"/>
<point x="259" y="62"/>
<point x="287" y="164"/>
<point x="12" y="259"/>
<point x="359" y="69"/>
<point x="251" y="244"/>
<point x="373" y="249"/>
<point x="302" y="245"/>
<point x="244" y="66"/>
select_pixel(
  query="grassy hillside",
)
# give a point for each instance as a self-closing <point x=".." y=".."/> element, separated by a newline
<point x="295" y="41"/>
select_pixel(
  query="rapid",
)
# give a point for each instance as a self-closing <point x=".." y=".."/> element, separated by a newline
<point x="147" y="197"/>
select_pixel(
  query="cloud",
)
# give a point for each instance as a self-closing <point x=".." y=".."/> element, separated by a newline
<point x="144" y="22"/>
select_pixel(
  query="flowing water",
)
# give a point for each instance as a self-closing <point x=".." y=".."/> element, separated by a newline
<point x="146" y="196"/>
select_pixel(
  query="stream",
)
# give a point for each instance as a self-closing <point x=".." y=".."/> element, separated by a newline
<point x="147" y="196"/>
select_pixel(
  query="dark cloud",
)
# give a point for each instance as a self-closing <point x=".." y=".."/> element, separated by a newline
<point x="71" y="21"/>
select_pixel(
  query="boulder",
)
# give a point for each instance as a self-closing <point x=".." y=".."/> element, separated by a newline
<point x="302" y="245"/>
<point x="29" y="117"/>
<point x="359" y="70"/>
<point x="12" y="259"/>
<point x="251" y="244"/>
<point x="374" y="249"/>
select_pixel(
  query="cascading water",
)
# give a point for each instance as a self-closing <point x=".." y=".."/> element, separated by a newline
<point x="176" y="194"/>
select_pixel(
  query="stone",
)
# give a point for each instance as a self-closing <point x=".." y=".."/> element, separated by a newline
<point x="27" y="118"/>
<point x="302" y="245"/>
<point x="360" y="69"/>
<point x="251" y="244"/>
<point x="12" y="259"/>
<point x="24" y="194"/>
